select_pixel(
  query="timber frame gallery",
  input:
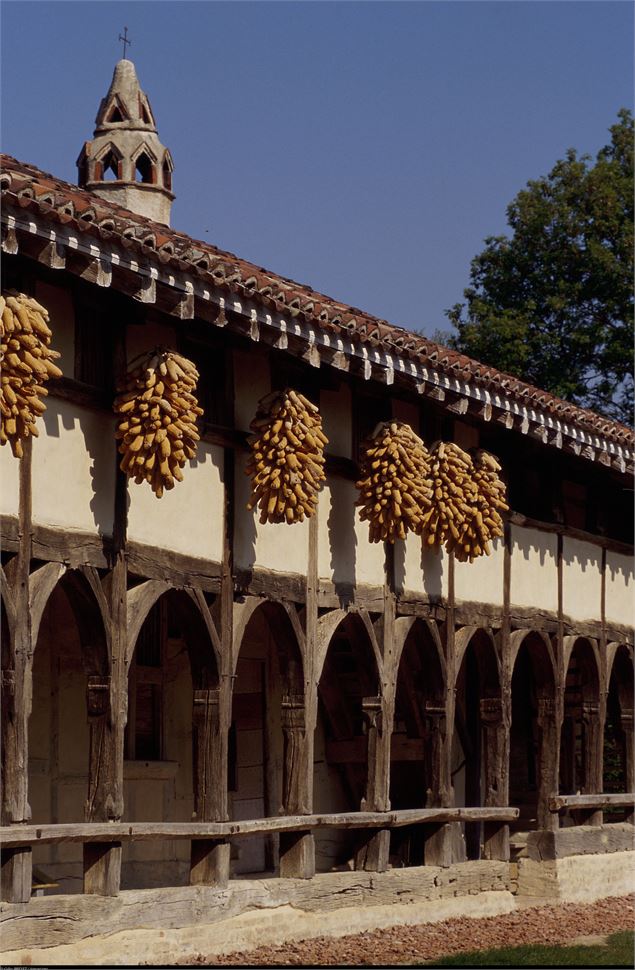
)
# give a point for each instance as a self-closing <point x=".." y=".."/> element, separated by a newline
<point x="187" y="695"/>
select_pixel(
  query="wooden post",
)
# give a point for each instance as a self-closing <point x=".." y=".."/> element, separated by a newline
<point x="437" y="849"/>
<point x="373" y="854"/>
<point x="209" y="858"/>
<point x="495" y="727"/>
<point x="626" y="724"/>
<point x="549" y="726"/>
<point x="102" y="868"/>
<point x="592" y="735"/>
<point x="107" y="697"/>
<point x="297" y="849"/>
<point x="17" y="689"/>
<point x="209" y="863"/>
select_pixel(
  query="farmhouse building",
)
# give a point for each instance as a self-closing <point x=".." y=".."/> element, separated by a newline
<point x="192" y="697"/>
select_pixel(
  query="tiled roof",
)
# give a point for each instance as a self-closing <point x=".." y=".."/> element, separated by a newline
<point x="60" y="202"/>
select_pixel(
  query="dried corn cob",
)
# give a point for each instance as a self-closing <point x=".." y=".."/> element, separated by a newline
<point x="157" y="412"/>
<point x="454" y="494"/>
<point x="485" y="523"/>
<point x="287" y="457"/>
<point x="394" y="486"/>
<point x="27" y="364"/>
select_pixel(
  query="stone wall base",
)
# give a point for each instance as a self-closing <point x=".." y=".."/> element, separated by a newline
<point x="578" y="878"/>
<point x="163" y="925"/>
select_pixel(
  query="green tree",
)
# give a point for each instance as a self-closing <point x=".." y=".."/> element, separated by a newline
<point x="553" y="303"/>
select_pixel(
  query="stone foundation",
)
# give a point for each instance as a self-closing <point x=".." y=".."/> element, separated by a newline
<point x="162" y="925"/>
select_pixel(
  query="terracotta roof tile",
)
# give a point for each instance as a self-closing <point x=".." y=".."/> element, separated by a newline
<point x="60" y="201"/>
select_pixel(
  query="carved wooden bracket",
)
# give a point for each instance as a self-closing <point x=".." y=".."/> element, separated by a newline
<point x="97" y="695"/>
<point x="435" y="718"/>
<point x="372" y="711"/>
<point x="491" y="710"/>
<point x="293" y="712"/>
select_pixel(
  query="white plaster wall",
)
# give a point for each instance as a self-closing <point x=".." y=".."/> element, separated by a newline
<point x="345" y="554"/>
<point x="74" y="468"/>
<point x="481" y="581"/>
<point x="335" y="408"/>
<point x="338" y="542"/>
<point x="59" y="302"/>
<point x="423" y="569"/>
<point x="620" y="588"/>
<point x="581" y="579"/>
<point x="188" y="519"/>
<point x="9" y="481"/>
<point x="534" y="569"/>
<point x="281" y="547"/>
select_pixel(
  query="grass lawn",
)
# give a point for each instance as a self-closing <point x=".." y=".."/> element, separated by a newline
<point x="617" y="952"/>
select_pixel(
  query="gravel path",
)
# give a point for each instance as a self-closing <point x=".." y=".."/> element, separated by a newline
<point x="405" y="944"/>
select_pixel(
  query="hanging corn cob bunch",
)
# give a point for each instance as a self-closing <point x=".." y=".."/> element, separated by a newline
<point x="157" y="412"/>
<point x="27" y="363"/>
<point x="287" y="457"/>
<point x="394" y="486"/>
<point x="454" y="494"/>
<point x="485" y="523"/>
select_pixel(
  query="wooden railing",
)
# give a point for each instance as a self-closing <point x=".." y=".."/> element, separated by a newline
<point x="210" y="842"/>
<point x="587" y="809"/>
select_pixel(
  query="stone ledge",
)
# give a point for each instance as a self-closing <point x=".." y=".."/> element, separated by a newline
<point x="581" y="840"/>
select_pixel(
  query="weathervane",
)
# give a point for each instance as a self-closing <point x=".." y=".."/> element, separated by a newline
<point x="124" y="38"/>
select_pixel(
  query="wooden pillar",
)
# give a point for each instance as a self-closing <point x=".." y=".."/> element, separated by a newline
<point x="16" y="701"/>
<point x="549" y="726"/>
<point x="107" y="698"/>
<point x="374" y="852"/>
<point x="593" y="716"/>
<point x="495" y="722"/>
<point x="210" y="858"/>
<point x="209" y="862"/>
<point x="437" y="850"/>
<point x="297" y="849"/>
<point x="626" y="724"/>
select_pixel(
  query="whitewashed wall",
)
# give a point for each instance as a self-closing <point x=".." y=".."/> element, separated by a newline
<point x="534" y="569"/>
<point x="620" y="589"/>
<point x="481" y="581"/>
<point x="188" y="519"/>
<point x="581" y="579"/>
<point x="74" y="468"/>
<point x="344" y="553"/>
<point x="9" y="481"/>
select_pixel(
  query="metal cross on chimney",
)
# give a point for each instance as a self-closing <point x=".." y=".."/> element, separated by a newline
<point x="124" y="38"/>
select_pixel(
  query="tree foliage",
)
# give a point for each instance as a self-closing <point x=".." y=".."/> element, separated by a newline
<point x="553" y="303"/>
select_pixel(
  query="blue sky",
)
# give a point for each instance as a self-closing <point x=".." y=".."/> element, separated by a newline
<point x="364" y="148"/>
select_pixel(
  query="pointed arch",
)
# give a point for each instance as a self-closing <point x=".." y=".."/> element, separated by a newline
<point x="203" y="641"/>
<point x="481" y="640"/>
<point x="542" y="654"/>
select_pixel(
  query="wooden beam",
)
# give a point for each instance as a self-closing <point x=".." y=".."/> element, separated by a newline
<point x="607" y="800"/>
<point x="14" y="836"/>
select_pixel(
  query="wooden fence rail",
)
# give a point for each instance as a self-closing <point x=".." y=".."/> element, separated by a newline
<point x="559" y="803"/>
<point x="210" y="842"/>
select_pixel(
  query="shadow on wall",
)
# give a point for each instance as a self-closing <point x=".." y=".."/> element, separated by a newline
<point x="245" y="521"/>
<point x="100" y="447"/>
<point x="342" y="540"/>
<point x="432" y="570"/>
<point x="400" y="564"/>
<point x="544" y="543"/>
<point x="585" y="554"/>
